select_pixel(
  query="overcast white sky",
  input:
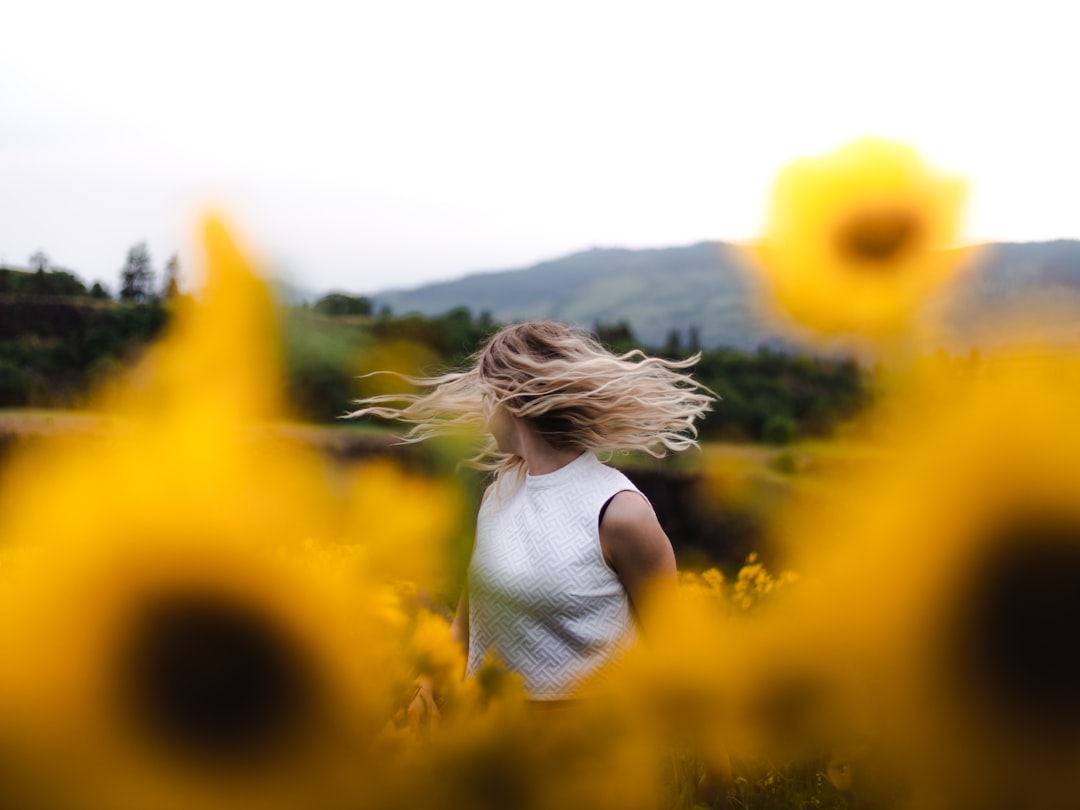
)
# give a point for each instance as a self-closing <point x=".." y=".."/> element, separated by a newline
<point x="369" y="145"/>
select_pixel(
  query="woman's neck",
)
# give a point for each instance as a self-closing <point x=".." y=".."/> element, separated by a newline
<point x="540" y="456"/>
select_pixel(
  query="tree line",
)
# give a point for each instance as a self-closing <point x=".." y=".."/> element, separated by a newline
<point x="138" y="280"/>
<point x="60" y="339"/>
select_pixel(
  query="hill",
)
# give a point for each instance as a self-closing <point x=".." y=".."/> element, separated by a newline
<point x="708" y="286"/>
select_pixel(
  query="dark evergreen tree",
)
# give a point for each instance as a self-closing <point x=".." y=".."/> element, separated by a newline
<point x="673" y="344"/>
<point x="137" y="275"/>
<point x="693" y="339"/>
<point x="39" y="262"/>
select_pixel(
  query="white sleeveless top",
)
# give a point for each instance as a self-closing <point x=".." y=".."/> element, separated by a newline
<point x="541" y="596"/>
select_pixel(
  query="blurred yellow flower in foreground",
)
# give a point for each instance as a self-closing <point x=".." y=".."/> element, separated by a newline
<point x="403" y="523"/>
<point x="221" y="362"/>
<point x="950" y="580"/>
<point x="171" y="637"/>
<point x="189" y="671"/>
<point x="857" y="239"/>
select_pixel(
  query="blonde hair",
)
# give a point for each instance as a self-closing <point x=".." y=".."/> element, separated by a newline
<point x="573" y="392"/>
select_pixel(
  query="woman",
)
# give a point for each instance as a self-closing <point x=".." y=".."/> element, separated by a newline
<point x="566" y="547"/>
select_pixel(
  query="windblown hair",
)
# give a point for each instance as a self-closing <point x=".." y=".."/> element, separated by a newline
<point x="573" y="391"/>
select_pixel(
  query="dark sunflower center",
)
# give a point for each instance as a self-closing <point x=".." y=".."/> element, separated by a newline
<point x="1021" y="623"/>
<point x="877" y="237"/>
<point x="214" y="679"/>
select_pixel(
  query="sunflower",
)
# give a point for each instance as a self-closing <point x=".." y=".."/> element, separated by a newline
<point x="190" y="672"/>
<point x="857" y="239"/>
<point x="179" y="626"/>
<point x="950" y="579"/>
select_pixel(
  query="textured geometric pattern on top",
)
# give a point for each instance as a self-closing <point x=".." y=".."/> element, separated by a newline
<point x="541" y="596"/>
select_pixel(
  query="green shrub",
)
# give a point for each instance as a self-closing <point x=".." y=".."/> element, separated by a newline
<point x="779" y="429"/>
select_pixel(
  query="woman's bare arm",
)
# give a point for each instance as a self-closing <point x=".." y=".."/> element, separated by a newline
<point x="636" y="547"/>
<point x="459" y="627"/>
<point x="425" y="707"/>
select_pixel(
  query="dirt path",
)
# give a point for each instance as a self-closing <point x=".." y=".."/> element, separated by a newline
<point x="25" y="423"/>
<point x="18" y="424"/>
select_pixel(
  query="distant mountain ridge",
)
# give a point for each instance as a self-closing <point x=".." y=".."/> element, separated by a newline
<point x="709" y="286"/>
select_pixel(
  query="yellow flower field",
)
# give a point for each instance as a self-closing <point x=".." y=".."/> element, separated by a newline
<point x="199" y="615"/>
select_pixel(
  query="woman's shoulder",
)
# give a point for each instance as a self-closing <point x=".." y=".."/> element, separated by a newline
<point x="611" y="473"/>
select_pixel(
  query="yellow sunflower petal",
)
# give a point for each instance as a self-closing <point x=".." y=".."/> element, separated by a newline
<point x="857" y="239"/>
<point x="171" y="639"/>
<point x="949" y="576"/>
<point x="219" y="359"/>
